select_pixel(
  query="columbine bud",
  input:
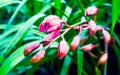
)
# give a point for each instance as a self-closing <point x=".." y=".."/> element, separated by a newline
<point x="91" y="11"/>
<point x="75" y="43"/>
<point x="103" y="59"/>
<point x="106" y="36"/>
<point x="63" y="49"/>
<point x="87" y="47"/>
<point x="30" y="48"/>
<point x="50" y="24"/>
<point x="92" y="27"/>
<point x="38" y="57"/>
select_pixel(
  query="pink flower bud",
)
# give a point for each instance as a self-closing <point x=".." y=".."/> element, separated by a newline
<point x="103" y="59"/>
<point x="92" y="27"/>
<point x="38" y="57"/>
<point x="106" y="36"/>
<point x="30" y="48"/>
<point x="87" y="48"/>
<point x="63" y="49"/>
<point x="75" y="43"/>
<point x="50" y="37"/>
<point x="50" y="24"/>
<point x="91" y="11"/>
<point x="99" y="28"/>
<point x="84" y="39"/>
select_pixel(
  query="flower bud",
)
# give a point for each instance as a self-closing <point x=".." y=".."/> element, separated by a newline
<point x="92" y="27"/>
<point x="84" y="39"/>
<point x="106" y="36"/>
<point x="63" y="49"/>
<point x="99" y="28"/>
<point x="75" y="43"/>
<point x="91" y="11"/>
<point x="87" y="48"/>
<point x="38" y="57"/>
<point x="50" y="23"/>
<point x="103" y="59"/>
<point x="48" y="38"/>
<point x="30" y="48"/>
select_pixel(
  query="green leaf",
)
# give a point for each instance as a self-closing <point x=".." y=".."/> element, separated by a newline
<point x="15" y="13"/>
<point x="80" y="55"/>
<point x="67" y="12"/>
<point x="8" y="2"/>
<point x="16" y="57"/>
<point x="13" y="59"/>
<point x="22" y="32"/>
<point x="117" y="38"/>
<point x="58" y="6"/>
<point x="115" y="13"/>
<point x="66" y="65"/>
<point x="79" y="61"/>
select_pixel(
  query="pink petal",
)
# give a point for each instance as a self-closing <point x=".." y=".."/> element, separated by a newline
<point x="42" y="27"/>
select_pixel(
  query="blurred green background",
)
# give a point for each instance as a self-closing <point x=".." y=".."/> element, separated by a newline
<point x="19" y="21"/>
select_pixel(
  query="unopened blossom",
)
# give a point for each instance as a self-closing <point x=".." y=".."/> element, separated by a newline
<point x="103" y="59"/>
<point x="49" y="37"/>
<point x="75" y="42"/>
<point x="87" y="48"/>
<point x="84" y="39"/>
<point x="91" y="11"/>
<point x="99" y="28"/>
<point x="63" y="49"/>
<point x="92" y="27"/>
<point x="50" y="23"/>
<point x="38" y="57"/>
<point x="30" y="48"/>
<point x="106" y="36"/>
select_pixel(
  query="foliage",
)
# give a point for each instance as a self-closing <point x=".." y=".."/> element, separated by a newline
<point x="19" y="21"/>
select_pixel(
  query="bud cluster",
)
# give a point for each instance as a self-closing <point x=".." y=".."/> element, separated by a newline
<point x="52" y="26"/>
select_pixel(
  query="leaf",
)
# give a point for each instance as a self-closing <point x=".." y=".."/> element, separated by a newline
<point x="15" y="13"/>
<point x="67" y="12"/>
<point x="79" y="61"/>
<point x="80" y="55"/>
<point x="115" y="13"/>
<point x="58" y="6"/>
<point x="21" y="32"/>
<point x="13" y="59"/>
<point x="117" y="38"/>
<point x="66" y="65"/>
<point x="8" y="2"/>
